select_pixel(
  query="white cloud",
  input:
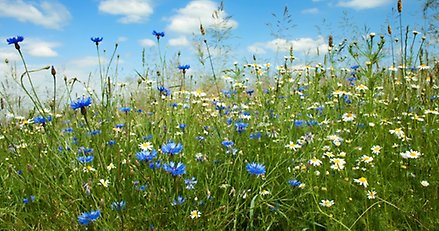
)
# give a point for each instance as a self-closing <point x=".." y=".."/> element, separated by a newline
<point x="132" y="11"/>
<point x="188" y="19"/>
<point x="38" y="48"/>
<point x="9" y="54"/>
<point x="147" y="42"/>
<point x="363" y="4"/>
<point x="304" y="45"/>
<point x="180" y="41"/>
<point x="310" y="11"/>
<point x="257" y="49"/>
<point x="51" y="14"/>
<point x="85" y="62"/>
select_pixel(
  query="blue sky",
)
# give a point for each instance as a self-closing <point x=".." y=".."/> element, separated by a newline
<point x="57" y="32"/>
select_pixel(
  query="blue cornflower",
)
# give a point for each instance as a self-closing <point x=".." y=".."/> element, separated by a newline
<point x="96" y="40"/>
<point x="312" y="123"/>
<point x="250" y="92"/>
<point x="155" y="165"/>
<point x="118" y="205"/>
<point x="200" y="138"/>
<point x="190" y="183"/>
<point x="67" y="130"/>
<point x="120" y="125"/>
<point x="158" y="35"/>
<point x="294" y="183"/>
<point x="85" y="159"/>
<point x="15" y="41"/>
<point x="26" y="200"/>
<point x="299" y="123"/>
<point x="81" y="103"/>
<point x="42" y="119"/>
<point x="164" y="91"/>
<point x="148" y="137"/>
<point x="172" y="148"/>
<point x="84" y="150"/>
<point x="256" y="135"/>
<point x="229" y="121"/>
<point x="240" y="127"/>
<point x="95" y="132"/>
<point x="111" y="142"/>
<point x="180" y="200"/>
<point x="125" y="109"/>
<point x="228" y="143"/>
<point x="184" y="68"/>
<point x="85" y="218"/>
<point x="255" y="169"/>
<point x="146" y="155"/>
<point x="182" y="126"/>
<point x="175" y="169"/>
<point x="355" y="67"/>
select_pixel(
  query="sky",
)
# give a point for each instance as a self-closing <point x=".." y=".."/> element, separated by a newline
<point x="57" y="32"/>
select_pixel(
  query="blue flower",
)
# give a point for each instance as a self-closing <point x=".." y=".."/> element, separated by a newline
<point x="256" y="135"/>
<point x="125" y="109"/>
<point x="85" y="159"/>
<point x="180" y="200"/>
<point x="175" y="169"/>
<point x="355" y="67"/>
<point x="190" y="183"/>
<point x="96" y="40"/>
<point x="164" y="91"/>
<point x="42" y="120"/>
<point x="228" y="143"/>
<point x="184" y="67"/>
<point x="158" y="35"/>
<point x="118" y="205"/>
<point x="172" y="148"/>
<point x="155" y="165"/>
<point x="111" y="142"/>
<point x="67" y="130"/>
<point x="80" y="103"/>
<point x="95" y="132"/>
<point x="15" y="40"/>
<point x="299" y="123"/>
<point x="120" y="125"/>
<point x="294" y="183"/>
<point x="85" y="218"/>
<point x="146" y="155"/>
<point x="84" y="150"/>
<point x="240" y="127"/>
<point x="182" y="126"/>
<point x="255" y="169"/>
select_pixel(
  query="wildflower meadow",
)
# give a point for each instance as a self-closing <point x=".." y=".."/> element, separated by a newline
<point x="340" y="144"/>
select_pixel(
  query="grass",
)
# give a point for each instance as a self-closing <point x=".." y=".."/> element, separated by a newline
<point x="360" y="143"/>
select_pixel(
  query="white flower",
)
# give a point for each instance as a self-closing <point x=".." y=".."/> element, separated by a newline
<point x="195" y="214"/>
<point x="327" y="203"/>
<point x="425" y="183"/>
<point x="104" y="183"/>
<point x="371" y="195"/>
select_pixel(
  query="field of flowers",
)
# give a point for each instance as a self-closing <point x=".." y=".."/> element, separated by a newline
<point x="320" y="147"/>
